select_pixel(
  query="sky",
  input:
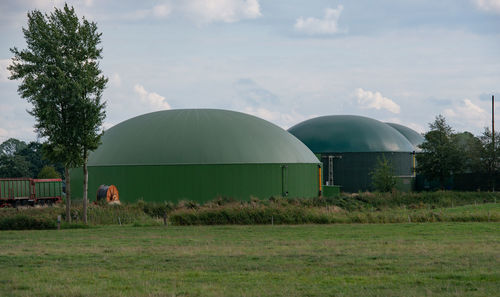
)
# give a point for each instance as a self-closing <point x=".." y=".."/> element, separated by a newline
<point x="401" y="61"/>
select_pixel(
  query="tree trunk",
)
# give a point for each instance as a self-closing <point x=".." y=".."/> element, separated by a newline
<point x="68" y="194"/>
<point x="85" y="182"/>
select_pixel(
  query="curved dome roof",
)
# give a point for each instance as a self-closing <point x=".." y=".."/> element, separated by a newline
<point x="348" y="133"/>
<point x="198" y="136"/>
<point x="413" y="136"/>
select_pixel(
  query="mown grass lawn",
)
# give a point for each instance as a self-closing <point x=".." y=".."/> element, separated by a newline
<point x="432" y="259"/>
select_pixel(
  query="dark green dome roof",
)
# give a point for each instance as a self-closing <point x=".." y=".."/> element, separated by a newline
<point x="198" y="136"/>
<point x="413" y="136"/>
<point x="348" y="133"/>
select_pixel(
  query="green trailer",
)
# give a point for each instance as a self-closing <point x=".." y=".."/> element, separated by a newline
<point x="29" y="191"/>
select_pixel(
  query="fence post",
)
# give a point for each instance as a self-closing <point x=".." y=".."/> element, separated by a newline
<point x="59" y="222"/>
<point x="165" y="223"/>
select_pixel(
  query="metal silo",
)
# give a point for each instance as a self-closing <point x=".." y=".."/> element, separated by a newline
<point x="350" y="147"/>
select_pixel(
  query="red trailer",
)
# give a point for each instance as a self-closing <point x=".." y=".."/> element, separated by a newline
<point x="29" y="191"/>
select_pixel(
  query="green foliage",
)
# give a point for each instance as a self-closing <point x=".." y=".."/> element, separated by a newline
<point x="440" y="156"/>
<point x="23" y="222"/>
<point x="61" y="78"/>
<point x="446" y="153"/>
<point x="11" y="163"/>
<point x="11" y="146"/>
<point x="29" y="222"/>
<point x="383" y="178"/>
<point x="18" y="159"/>
<point x="490" y="154"/>
<point x="247" y="215"/>
<point x="14" y="166"/>
<point x="110" y="214"/>
<point x="470" y="148"/>
<point x="393" y="207"/>
<point x="48" y="172"/>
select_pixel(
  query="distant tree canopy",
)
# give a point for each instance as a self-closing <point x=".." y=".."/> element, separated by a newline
<point x="48" y="172"/>
<point x="445" y="153"/>
<point x="18" y="159"/>
<point x="11" y="146"/>
<point x="469" y="150"/>
<point x="440" y="156"/>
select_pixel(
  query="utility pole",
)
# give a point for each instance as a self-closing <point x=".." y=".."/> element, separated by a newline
<point x="493" y="138"/>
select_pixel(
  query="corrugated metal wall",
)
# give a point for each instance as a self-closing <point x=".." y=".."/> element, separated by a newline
<point x="201" y="183"/>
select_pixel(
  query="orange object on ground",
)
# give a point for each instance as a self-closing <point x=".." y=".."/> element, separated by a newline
<point x="110" y="193"/>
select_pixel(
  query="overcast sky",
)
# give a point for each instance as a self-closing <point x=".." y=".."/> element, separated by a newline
<point x="403" y="61"/>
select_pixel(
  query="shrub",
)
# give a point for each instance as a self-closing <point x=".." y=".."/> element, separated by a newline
<point x="383" y="178"/>
<point x="23" y="222"/>
<point x="48" y="172"/>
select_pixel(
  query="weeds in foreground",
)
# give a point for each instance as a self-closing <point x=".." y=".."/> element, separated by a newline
<point x="395" y="207"/>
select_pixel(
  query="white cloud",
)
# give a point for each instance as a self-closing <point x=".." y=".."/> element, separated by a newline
<point x="159" y="11"/>
<point x="467" y="114"/>
<point x="327" y="25"/>
<point x="488" y="5"/>
<point x="375" y="100"/>
<point x="4" y="73"/>
<point x="227" y="11"/>
<point x="162" y="10"/>
<point x="155" y="100"/>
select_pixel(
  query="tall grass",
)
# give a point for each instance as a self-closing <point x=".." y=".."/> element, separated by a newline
<point x="273" y="214"/>
<point x="119" y="214"/>
<point x="395" y="207"/>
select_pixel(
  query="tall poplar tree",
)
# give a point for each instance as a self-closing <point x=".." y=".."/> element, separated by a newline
<point x="61" y="78"/>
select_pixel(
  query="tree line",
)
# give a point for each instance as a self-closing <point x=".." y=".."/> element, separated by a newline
<point x="446" y="153"/>
<point x="21" y="159"/>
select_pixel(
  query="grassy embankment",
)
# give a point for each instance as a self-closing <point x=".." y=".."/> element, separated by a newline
<point x="441" y="259"/>
<point x="358" y="208"/>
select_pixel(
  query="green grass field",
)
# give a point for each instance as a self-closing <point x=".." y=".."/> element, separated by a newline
<point x="431" y="259"/>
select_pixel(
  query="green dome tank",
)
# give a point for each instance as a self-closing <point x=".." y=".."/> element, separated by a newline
<point x="413" y="136"/>
<point x="198" y="136"/>
<point x="349" y="133"/>
<point x="201" y="154"/>
<point x="350" y="148"/>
